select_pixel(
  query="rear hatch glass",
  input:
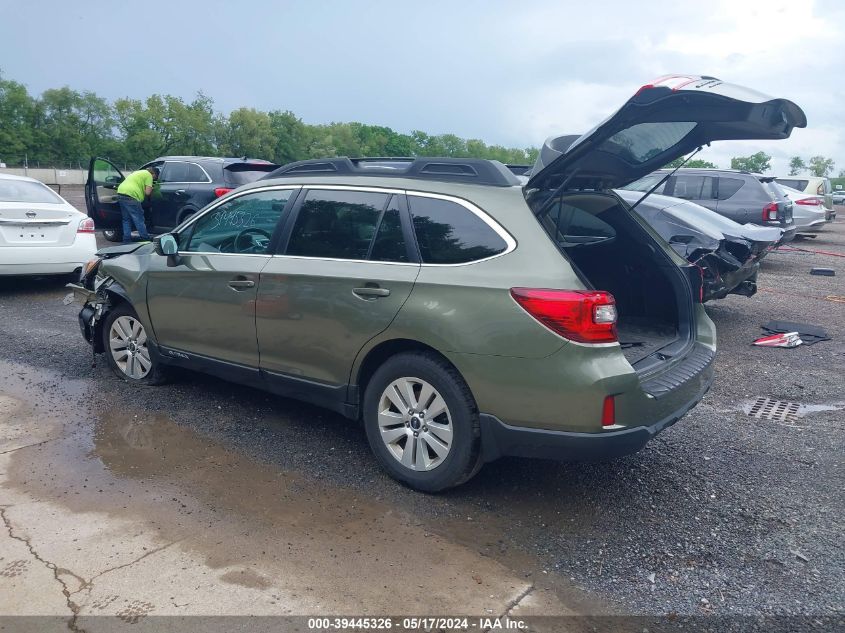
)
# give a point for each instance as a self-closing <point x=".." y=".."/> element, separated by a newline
<point x="238" y="174"/>
<point x="796" y="183"/>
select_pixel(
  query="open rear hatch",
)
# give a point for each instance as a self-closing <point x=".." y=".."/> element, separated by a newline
<point x="613" y="249"/>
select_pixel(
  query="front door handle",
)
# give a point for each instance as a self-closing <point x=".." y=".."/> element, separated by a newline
<point x="370" y="291"/>
<point x="239" y="284"/>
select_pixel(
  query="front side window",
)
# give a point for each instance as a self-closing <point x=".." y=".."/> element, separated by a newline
<point x="244" y="225"/>
<point x="449" y="233"/>
<point x="337" y="224"/>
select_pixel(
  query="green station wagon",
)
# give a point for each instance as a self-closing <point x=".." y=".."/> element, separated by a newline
<point x="461" y="313"/>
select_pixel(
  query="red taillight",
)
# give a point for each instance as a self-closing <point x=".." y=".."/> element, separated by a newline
<point x="608" y="411"/>
<point x="810" y="202"/>
<point x="585" y="316"/>
<point x="86" y="226"/>
<point x="770" y="212"/>
<point x="222" y="191"/>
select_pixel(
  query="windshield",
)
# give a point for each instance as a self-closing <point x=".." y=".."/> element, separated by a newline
<point x="27" y="191"/>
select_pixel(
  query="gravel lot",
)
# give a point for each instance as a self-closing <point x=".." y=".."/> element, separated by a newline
<point x="723" y="513"/>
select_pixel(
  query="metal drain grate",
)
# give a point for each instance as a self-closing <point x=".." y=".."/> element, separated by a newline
<point x="768" y="409"/>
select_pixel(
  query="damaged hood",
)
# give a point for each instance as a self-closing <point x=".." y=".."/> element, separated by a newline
<point x="664" y="120"/>
<point x="123" y="249"/>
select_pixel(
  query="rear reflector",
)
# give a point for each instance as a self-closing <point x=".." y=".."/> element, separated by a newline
<point x="584" y="316"/>
<point x="608" y="411"/>
<point x="86" y="226"/>
<point x="770" y="212"/>
<point x="222" y="191"/>
<point x="810" y="202"/>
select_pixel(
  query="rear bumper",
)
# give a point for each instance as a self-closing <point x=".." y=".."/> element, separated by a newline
<point x="47" y="260"/>
<point x="499" y="439"/>
<point x="788" y="234"/>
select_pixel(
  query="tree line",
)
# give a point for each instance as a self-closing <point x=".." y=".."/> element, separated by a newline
<point x="64" y="127"/>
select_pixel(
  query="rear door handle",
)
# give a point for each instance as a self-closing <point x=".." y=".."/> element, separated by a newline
<point x="370" y="291"/>
<point x="179" y="192"/>
<point x="238" y="284"/>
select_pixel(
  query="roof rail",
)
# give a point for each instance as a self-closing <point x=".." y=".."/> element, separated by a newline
<point x="468" y="170"/>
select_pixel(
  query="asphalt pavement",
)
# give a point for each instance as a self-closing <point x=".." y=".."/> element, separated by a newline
<point x="269" y="502"/>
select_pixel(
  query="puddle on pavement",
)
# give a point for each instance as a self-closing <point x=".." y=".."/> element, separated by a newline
<point x="242" y="515"/>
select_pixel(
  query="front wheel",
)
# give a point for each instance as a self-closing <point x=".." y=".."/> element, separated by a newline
<point x="127" y="348"/>
<point x="421" y="422"/>
<point x="113" y="235"/>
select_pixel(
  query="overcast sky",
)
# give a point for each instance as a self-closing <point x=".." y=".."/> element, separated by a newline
<point x="505" y="72"/>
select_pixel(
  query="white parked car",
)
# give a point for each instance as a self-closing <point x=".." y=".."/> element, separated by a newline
<point x="40" y="232"/>
<point x="808" y="210"/>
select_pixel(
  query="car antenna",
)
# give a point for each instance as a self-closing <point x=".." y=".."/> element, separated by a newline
<point x="667" y="177"/>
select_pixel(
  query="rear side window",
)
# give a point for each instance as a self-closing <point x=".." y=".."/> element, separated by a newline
<point x="337" y="224"/>
<point x="389" y="245"/>
<point x="729" y="186"/>
<point x="449" y="233"/>
<point x="691" y="187"/>
<point x="174" y="172"/>
<point x="195" y="173"/>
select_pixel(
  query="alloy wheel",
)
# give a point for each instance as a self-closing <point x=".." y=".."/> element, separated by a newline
<point x="415" y="424"/>
<point x="128" y="347"/>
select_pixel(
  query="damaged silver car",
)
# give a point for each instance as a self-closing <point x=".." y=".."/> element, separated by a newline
<point x="727" y="253"/>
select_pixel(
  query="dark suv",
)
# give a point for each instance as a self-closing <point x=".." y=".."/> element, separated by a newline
<point x="185" y="185"/>
<point x="738" y="195"/>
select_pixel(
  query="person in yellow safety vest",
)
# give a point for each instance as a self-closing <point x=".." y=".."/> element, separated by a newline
<point x="130" y="194"/>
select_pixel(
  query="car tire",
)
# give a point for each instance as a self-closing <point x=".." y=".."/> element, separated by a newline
<point x="126" y="348"/>
<point x="422" y="422"/>
<point x="184" y="214"/>
<point x="113" y="235"/>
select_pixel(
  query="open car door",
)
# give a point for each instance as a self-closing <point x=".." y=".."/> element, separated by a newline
<point x="101" y="193"/>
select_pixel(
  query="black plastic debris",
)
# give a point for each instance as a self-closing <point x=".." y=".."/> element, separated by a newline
<point x="809" y="333"/>
<point x="826" y="272"/>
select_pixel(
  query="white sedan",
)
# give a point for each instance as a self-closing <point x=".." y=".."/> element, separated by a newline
<point x="40" y="232"/>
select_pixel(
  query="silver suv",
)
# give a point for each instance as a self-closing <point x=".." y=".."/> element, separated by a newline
<point x="738" y="195"/>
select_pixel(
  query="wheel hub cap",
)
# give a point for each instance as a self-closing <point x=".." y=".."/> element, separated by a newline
<point x="128" y="347"/>
<point x="415" y="424"/>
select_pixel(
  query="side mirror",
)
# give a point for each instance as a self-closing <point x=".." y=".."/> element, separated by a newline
<point x="167" y="246"/>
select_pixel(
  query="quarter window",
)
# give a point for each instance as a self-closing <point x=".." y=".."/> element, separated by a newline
<point x="728" y="187"/>
<point x="448" y="233"/>
<point x="244" y="225"/>
<point x="337" y="224"/>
